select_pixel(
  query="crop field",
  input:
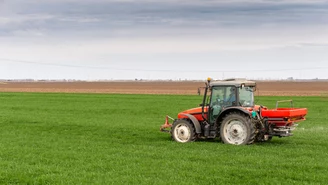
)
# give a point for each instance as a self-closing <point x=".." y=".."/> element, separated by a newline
<point x="58" y="138"/>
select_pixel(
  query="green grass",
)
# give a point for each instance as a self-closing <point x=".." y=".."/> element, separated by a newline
<point x="115" y="139"/>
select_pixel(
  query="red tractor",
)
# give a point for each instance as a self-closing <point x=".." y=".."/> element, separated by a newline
<point x="229" y="113"/>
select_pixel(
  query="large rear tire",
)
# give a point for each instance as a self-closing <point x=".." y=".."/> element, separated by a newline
<point x="183" y="131"/>
<point x="237" y="129"/>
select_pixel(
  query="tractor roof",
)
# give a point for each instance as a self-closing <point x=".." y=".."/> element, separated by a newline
<point x="233" y="82"/>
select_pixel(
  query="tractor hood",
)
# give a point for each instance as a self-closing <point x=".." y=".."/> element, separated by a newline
<point x="196" y="112"/>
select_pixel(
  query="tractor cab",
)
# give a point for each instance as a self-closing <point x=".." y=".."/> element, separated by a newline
<point x="228" y="94"/>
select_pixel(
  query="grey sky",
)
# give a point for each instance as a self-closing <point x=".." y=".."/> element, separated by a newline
<point x="107" y="39"/>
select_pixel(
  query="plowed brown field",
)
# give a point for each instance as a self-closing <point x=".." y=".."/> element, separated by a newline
<point x="266" y="88"/>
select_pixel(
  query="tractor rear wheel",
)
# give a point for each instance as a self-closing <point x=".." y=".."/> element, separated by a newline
<point x="183" y="131"/>
<point x="237" y="129"/>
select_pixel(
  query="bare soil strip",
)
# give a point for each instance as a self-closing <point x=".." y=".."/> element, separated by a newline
<point x="265" y="88"/>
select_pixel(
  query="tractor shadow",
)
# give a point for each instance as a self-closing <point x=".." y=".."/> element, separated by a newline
<point x="273" y="142"/>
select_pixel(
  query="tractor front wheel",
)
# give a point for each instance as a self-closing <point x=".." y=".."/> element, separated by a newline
<point x="237" y="129"/>
<point x="183" y="131"/>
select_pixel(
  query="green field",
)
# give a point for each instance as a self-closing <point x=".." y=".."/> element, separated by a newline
<point x="115" y="139"/>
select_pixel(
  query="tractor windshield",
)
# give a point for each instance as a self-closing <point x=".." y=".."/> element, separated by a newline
<point x="224" y="96"/>
<point x="246" y="96"/>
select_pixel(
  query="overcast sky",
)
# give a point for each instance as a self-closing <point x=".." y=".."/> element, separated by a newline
<point x="163" y="39"/>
